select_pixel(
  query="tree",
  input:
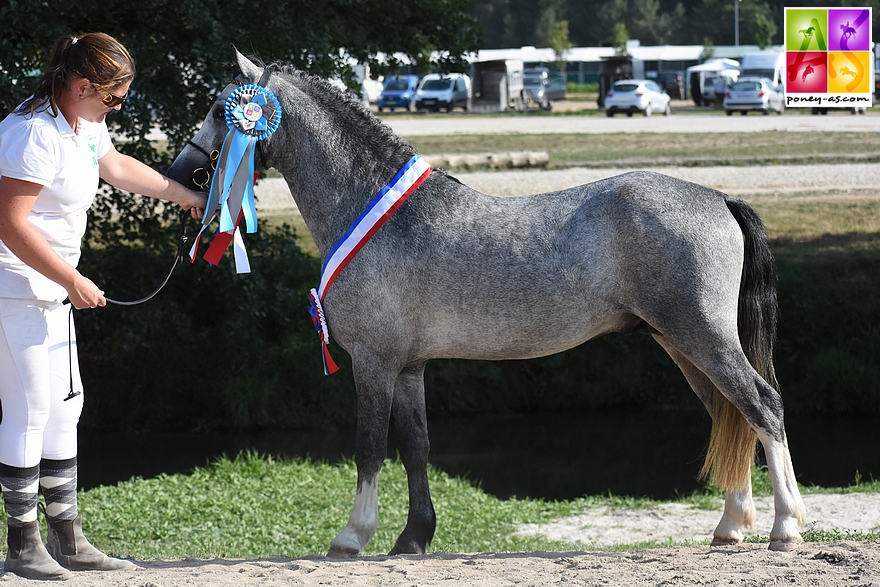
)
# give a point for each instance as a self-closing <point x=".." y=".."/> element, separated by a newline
<point x="651" y="26"/>
<point x="708" y="50"/>
<point x="560" y="44"/>
<point x="619" y="38"/>
<point x="764" y="28"/>
<point x="182" y="46"/>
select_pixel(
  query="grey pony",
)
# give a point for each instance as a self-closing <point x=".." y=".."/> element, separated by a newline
<point x="455" y="273"/>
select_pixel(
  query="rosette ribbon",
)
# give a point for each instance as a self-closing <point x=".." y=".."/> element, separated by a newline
<point x="252" y="115"/>
<point x="383" y="206"/>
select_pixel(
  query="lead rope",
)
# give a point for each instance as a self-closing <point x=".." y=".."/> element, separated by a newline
<point x="71" y="394"/>
<point x="181" y="252"/>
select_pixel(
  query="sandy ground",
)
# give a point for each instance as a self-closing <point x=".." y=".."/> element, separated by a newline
<point x="850" y="564"/>
<point x="841" y="563"/>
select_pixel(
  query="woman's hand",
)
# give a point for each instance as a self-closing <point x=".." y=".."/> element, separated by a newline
<point x="195" y="202"/>
<point x="83" y="293"/>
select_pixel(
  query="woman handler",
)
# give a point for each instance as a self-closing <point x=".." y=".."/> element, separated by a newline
<point x="53" y="149"/>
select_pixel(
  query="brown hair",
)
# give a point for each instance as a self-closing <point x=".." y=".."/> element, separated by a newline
<point x="97" y="57"/>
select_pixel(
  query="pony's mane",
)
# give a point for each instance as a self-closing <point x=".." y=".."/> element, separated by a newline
<point x="351" y="112"/>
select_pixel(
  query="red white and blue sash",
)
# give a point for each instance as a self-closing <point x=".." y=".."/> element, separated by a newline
<point x="383" y="206"/>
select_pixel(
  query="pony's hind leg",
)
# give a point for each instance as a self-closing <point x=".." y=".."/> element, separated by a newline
<point x="786" y="497"/>
<point x="739" y="509"/>
<point x="410" y="423"/>
<point x="374" y="387"/>
<point x="744" y="405"/>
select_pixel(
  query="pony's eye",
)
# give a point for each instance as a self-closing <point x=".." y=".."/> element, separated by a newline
<point x="219" y="113"/>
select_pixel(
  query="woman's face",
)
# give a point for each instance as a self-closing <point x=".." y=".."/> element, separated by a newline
<point x="94" y="106"/>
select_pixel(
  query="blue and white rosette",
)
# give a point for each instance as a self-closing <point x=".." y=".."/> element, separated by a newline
<point x="253" y="113"/>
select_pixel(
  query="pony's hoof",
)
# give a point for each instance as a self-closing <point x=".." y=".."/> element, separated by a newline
<point x="728" y="541"/>
<point x="787" y="545"/>
<point x="336" y="552"/>
<point x="407" y="547"/>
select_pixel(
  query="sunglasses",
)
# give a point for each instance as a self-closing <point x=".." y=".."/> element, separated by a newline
<point x="109" y="100"/>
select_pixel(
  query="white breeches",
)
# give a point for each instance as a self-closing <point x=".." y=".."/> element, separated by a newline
<point x="37" y="355"/>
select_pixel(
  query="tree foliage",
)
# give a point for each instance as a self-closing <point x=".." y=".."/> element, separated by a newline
<point x="181" y="46"/>
<point x="508" y="23"/>
<point x="214" y="348"/>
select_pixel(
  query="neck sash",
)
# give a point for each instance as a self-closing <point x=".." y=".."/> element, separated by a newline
<point x="383" y="206"/>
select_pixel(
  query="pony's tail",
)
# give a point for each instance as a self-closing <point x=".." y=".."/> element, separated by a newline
<point x="732" y="442"/>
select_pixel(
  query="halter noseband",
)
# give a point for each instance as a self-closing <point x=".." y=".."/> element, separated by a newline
<point x="212" y="157"/>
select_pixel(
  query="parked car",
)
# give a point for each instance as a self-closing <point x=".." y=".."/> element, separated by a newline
<point x="753" y="94"/>
<point x="446" y="91"/>
<point x="636" y="95"/>
<point x="536" y="84"/>
<point x="399" y="91"/>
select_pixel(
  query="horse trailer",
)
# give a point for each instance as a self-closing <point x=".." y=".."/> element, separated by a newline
<point x="498" y="85"/>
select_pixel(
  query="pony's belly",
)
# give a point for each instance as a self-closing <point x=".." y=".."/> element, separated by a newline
<point x="541" y="338"/>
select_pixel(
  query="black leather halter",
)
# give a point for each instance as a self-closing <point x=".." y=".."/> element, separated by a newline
<point x="201" y="176"/>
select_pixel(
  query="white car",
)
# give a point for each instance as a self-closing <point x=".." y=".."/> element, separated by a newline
<point x="753" y="94"/>
<point x="636" y="95"/>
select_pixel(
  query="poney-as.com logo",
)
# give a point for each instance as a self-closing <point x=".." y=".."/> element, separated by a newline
<point x="828" y="59"/>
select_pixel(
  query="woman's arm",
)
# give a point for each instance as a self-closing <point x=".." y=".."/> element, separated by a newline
<point x="131" y="175"/>
<point x="17" y="198"/>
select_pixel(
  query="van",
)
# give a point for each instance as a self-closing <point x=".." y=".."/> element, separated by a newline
<point x="769" y="64"/>
<point x="444" y="90"/>
<point x="399" y="91"/>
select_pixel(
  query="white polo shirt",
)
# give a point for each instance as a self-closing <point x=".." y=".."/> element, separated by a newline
<point x="44" y="150"/>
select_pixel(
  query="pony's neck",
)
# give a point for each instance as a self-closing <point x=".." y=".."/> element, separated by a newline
<point x="335" y="157"/>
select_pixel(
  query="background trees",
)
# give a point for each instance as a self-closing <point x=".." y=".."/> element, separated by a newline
<point x="218" y="349"/>
<point x="180" y="45"/>
<point x="514" y="23"/>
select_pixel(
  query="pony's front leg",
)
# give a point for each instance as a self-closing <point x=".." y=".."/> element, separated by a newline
<point x="790" y="515"/>
<point x="739" y="514"/>
<point x="374" y="387"/>
<point x="410" y="422"/>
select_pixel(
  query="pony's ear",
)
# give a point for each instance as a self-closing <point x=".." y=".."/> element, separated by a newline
<point x="247" y="67"/>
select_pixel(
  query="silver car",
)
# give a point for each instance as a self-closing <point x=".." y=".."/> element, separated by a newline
<point x="753" y="94"/>
<point x="636" y="95"/>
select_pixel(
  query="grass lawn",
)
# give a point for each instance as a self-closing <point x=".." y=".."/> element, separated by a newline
<point x="253" y="507"/>
<point x="729" y="148"/>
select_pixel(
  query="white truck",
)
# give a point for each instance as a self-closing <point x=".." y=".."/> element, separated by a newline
<point x="769" y="63"/>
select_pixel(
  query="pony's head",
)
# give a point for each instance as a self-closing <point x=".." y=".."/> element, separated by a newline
<point x="194" y="165"/>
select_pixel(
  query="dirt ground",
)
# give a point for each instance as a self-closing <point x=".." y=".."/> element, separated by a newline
<point x="844" y="563"/>
<point x="825" y="564"/>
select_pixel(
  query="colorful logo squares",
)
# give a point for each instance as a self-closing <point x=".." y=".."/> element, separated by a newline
<point x="828" y="54"/>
